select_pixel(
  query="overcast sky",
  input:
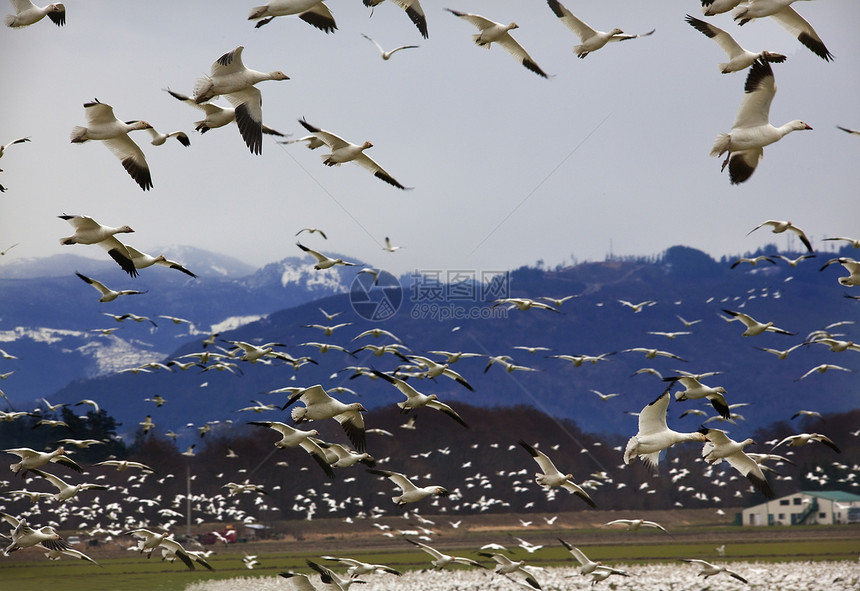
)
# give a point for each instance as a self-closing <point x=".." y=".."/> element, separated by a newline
<point x="509" y="168"/>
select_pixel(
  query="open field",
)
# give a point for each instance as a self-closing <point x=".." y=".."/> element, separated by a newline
<point x="694" y="535"/>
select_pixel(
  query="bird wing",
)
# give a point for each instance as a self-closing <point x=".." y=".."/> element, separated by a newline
<point x="319" y="16"/>
<point x="723" y="39"/>
<point x="652" y="418"/>
<point x="97" y="284"/>
<point x="441" y="406"/>
<point x="51" y="478"/>
<point x="98" y="113"/>
<point x="248" y="105"/>
<point x="798" y="26"/>
<point x="368" y="163"/>
<point x="759" y="90"/>
<point x="317" y="255"/>
<point x="749" y="468"/>
<point x="515" y="49"/>
<point x="581" y="30"/>
<point x="119" y="252"/>
<point x="132" y="158"/>
<point x="416" y="15"/>
<point x="229" y="63"/>
<point x="476" y="19"/>
<point x="396" y="477"/>
<point x="331" y="140"/>
<point x="541" y="458"/>
<point x="299" y="581"/>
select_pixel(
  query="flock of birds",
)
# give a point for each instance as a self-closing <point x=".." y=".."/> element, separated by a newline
<point x="743" y="149"/>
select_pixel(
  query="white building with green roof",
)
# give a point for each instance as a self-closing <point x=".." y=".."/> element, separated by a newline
<point x="823" y="507"/>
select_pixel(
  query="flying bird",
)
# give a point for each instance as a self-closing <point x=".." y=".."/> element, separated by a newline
<point x="852" y="266"/>
<point x="635" y="524"/>
<point x="753" y="326"/>
<point x="785" y="15"/>
<point x="108" y="294"/>
<point x="493" y="32"/>
<point x="654" y="434"/>
<point x="4" y="147"/>
<point x="804" y="438"/>
<point x="718" y="447"/>
<point x="550" y="476"/>
<point x="413" y="11"/>
<point x="344" y="151"/>
<point x="752" y="130"/>
<point x="323" y="261"/>
<point x="409" y="492"/>
<point x="102" y="125"/>
<point x="591" y="40"/>
<point x="441" y="560"/>
<point x="782" y="226"/>
<point x="89" y="231"/>
<point x="709" y="569"/>
<point x="27" y="13"/>
<point x="739" y="58"/>
<point x="386" y="55"/>
<point x="230" y="77"/>
<point x="216" y="115"/>
<point x="313" y="12"/>
<point x="320" y="406"/>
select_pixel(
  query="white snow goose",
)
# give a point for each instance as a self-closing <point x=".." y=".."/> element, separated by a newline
<point x="27" y="13"/>
<point x="344" y="151"/>
<point x="102" y="125"/>
<point x="550" y="476"/>
<point x="752" y="130"/>
<point x="141" y="260"/>
<point x="852" y="266"/>
<point x="712" y="7"/>
<point x="108" y="294"/>
<point x="313" y="12"/>
<point x="779" y="226"/>
<point x="785" y="15"/>
<point x="441" y="560"/>
<point x="719" y="447"/>
<point x="694" y="390"/>
<point x="357" y="567"/>
<point x="216" y="115"/>
<point x="588" y="566"/>
<point x="89" y="231"/>
<point x="754" y="327"/>
<point x="514" y="570"/>
<point x="24" y="536"/>
<point x="5" y="146"/>
<point x="416" y="399"/>
<point x="654" y="434"/>
<point x="319" y="406"/>
<point x="635" y="524"/>
<point x="409" y="492"/>
<point x="591" y="40"/>
<point x="804" y="438"/>
<point x="158" y="138"/>
<point x="739" y="58"/>
<point x="324" y="261"/>
<point x="413" y="11"/>
<point x="31" y="459"/>
<point x="230" y="77"/>
<point x="386" y="55"/>
<point x="493" y="32"/>
<point x="709" y="569"/>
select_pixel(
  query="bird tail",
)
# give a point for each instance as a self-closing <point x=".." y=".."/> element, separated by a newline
<point x="630" y="450"/>
<point x="77" y="135"/>
<point x="257" y="12"/>
<point x="721" y="145"/>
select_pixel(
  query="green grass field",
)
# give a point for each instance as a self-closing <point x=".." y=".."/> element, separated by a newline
<point x="136" y="573"/>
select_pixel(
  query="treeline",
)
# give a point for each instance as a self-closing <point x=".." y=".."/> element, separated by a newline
<point x="483" y="467"/>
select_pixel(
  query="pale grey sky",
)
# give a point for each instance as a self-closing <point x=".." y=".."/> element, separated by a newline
<point x="508" y="168"/>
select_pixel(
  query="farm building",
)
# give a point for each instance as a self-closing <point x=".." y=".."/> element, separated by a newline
<point x="806" y="508"/>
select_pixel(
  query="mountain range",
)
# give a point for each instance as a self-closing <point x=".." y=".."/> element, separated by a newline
<point x="50" y="320"/>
